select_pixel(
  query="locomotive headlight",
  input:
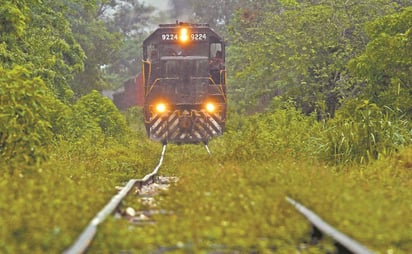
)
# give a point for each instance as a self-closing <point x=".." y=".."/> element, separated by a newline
<point x="210" y="107"/>
<point x="161" y="108"/>
<point x="184" y="34"/>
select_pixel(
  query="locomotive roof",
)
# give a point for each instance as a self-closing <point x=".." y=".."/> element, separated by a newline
<point x="163" y="27"/>
<point x="177" y="24"/>
<point x="184" y="58"/>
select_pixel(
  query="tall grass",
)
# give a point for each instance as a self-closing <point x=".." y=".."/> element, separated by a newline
<point x="360" y="133"/>
<point x="365" y="134"/>
<point x="262" y="136"/>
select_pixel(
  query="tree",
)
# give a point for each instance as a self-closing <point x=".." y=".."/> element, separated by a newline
<point x="216" y="13"/>
<point x="131" y="20"/>
<point x="300" y="50"/>
<point x="37" y="37"/>
<point x="94" y="115"/>
<point x="386" y="64"/>
<point x="99" y="45"/>
<point x="28" y="112"/>
<point x="110" y="32"/>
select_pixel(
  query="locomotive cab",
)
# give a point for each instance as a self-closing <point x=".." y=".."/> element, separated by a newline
<point x="184" y="83"/>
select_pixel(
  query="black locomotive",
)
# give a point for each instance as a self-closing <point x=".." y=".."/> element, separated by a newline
<point x="184" y="80"/>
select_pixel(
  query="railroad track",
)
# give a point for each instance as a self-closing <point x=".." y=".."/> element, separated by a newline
<point x="86" y="237"/>
<point x="320" y="228"/>
<point x="343" y="243"/>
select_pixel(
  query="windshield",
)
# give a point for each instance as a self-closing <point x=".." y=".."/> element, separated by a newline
<point x="185" y="67"/>
<point x="188" y="50"/>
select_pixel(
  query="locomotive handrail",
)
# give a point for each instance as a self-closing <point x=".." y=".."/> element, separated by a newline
<point x="223" y="73"/>
<point x="156" y="80"/>
<point x="184" y="57"/>
<point x="210" y="79"/>
<point x="144" y="72"/>
<point x="220" y="86"/>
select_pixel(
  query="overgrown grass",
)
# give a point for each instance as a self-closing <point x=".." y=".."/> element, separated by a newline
<point x="44" y="208"/>
<point x="362" y="132"/>
<point x="237" y="205"/>
<point x="234" y="200"/>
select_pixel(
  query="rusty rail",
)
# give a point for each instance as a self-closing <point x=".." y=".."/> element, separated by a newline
<point x="344" y="243"/>
<point x="86" y="237"/>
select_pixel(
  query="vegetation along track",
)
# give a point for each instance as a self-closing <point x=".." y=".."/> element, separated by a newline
<point x="85" y="238"/>
<point x="343" y="243"/>
<point x="147" y="186"/>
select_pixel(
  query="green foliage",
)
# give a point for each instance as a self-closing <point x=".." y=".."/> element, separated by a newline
<point x="239" y="206"/>
<point x="212" y="207"/>
<point x="27" y="113"/>
<point x="100" y="46"/>
<point x="135" y="120"/>
<point x="68" y="43"/>
<point x="12" y="19"/>
<point x="300" y="50"/>
<point x="110" y="33"/>
<point x="385" y="64"/>
<point x="131" y="21"/>
<point x="62" y="153"/>
<point x="40" y="39"/>
<point x="284" y="129"/>
<point x="45" y="207"/>
<point x="94" y="114"/>
<point x="217" y="13"/>
<point x="362" y="132"/>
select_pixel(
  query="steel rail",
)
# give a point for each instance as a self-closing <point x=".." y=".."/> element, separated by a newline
<point x="86" y="237"/>
<point x="208" y="150"/>
<point x="348" y="243"/>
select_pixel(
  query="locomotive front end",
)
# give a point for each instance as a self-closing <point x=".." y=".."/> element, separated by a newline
<point x="184" y="80"/>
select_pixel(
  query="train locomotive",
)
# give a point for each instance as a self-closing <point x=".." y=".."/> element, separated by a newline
<point x="184" y="80"/>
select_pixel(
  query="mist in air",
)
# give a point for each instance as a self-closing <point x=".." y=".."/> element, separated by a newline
<point x="162" y="5"/>
<point x="171" y="10"/>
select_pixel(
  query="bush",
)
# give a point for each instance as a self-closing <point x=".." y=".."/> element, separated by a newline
<point x="284" y="130"/>
<point x="93" y="115"/>
<point x="26" y="116"/>
<point x="362" y="132"/>
<point x="135" y="120"/>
